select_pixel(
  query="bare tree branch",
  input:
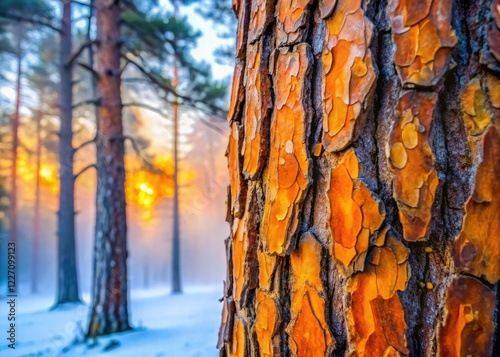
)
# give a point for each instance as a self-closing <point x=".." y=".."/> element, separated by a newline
<point x="145" y="36"/>
<point x="152" y="77"/>
<point x="135" y="79"/>
<point x="84" y="144"/>
<point x="29" y="20"/>
<point x="79" y="51"/>
<point x="90" y="69"/>
<point x="138" y="152"/>
<point x="213" y="110"/>
<point x="123" y="68"/>
<point x="83" y="170"/>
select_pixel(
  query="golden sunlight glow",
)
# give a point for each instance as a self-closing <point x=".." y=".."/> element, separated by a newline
<point x="49" y="177"/>
<point x="145" y="188"/>
<point x="27" y="172"/>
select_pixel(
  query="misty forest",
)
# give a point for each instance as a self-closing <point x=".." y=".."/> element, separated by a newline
<point x="113" y="178"/>
<point x="250" y="178"/>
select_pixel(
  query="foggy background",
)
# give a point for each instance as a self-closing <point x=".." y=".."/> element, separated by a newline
<point x="203" y="182"/>
<point x="203" y="227"/>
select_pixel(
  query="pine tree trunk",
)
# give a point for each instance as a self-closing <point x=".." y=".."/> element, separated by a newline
<point x="15" y="142"/>
<point x="36" y="213"/>
<point x="364" y="198"/>
<point x="176" y="249"/>
<point x="109" y="311"/>
<point x="67" y="283"/>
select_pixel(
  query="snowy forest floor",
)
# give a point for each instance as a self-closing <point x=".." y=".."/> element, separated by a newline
<point x="164" y="325"/>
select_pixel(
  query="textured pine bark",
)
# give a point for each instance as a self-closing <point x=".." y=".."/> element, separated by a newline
<point x="364" y="172"/>
<point x="109" y="311"/>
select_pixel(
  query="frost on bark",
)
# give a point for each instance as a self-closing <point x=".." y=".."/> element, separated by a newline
<point x="364" y="163"/>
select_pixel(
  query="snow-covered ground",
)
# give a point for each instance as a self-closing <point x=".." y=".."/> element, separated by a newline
<point x="164" y="325"/>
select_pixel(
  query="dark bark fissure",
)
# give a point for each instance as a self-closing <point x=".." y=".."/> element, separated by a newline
<point x="387" y="93"/>
<point x="282" y="286"/>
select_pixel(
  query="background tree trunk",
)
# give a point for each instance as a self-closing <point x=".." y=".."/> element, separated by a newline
<point x="109" y="311"/>
<point x="36" y="213"/>
<point x="176" y="244"/>
<point x="364" y="173"/>
<point x="15" y="140"/>
<point x="67" y="282"/>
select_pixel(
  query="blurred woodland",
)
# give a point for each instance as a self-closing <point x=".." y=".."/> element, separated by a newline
<point x="107" y="117"/>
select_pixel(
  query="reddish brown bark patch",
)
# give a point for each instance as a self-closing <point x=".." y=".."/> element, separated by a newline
<point x="468" y="326"/>
<point x="424" y="39"/>
<point x="376" y="325"/>
<point x="348" y="73"/>
<point x="267" y="268"/>
<point x="355" y="212"/>
<point x="292" y="19"/>
<point x="239" y="339"/>
<point x="257" y="110"/>
<point x="308" y="331"/>
<point x="240" y="9"/>
<point x="476" y="114"/>
<point x="266" y="322"/>
<point x="477" y="248"/>
<point x="261" y="15"/>
<point x="412" y="162"/>
<point x="288" y="175"/>
<point x="493" y="84"/>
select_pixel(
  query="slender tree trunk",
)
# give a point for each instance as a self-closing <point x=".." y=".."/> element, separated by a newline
<point x="364" y="180"/>
<point x="36" y="218"/>
<point x="67" y="283"/>
<point x="176" y="261"/>
<point x="109" y="311"/>
<point x="176" y="250"/>
<point x="15" y="142"/>
<point x="13" y="238"/>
